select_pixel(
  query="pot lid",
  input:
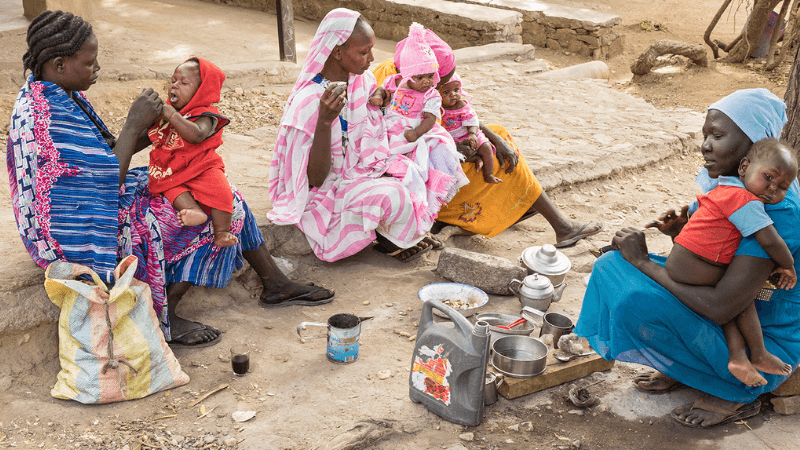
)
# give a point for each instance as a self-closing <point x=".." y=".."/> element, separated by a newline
<point x="546" y="260"/>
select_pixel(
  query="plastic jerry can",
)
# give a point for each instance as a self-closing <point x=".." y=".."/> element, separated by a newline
<point x="448" y="368"/>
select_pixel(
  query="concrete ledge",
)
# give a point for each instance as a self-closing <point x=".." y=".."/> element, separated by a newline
<point x="490" y="52"/>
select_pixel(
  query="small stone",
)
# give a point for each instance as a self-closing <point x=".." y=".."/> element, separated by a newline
<point x="467" y="437"/>
<point x="238" y="91"/>
<point x="514" y="427"/>
<point x="509" y="441"/>
<point x="178" y="438"/>
<point x="230" y="442"/>
<point x="174" y="442"/>
<point x="366" y="302"/>
<point x="384" y="374"/>
<point x="389" y="305"/>
<point x="243" y="416"/>
<point x="209" y="439"/>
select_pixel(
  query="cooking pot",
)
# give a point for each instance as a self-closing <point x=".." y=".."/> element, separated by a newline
<point x="547" y="261"/>
<point x="519" y="356"/>
<point x="536" y="291"/>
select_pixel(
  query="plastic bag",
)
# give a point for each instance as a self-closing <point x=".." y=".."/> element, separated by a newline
<point x="110" y="345"/>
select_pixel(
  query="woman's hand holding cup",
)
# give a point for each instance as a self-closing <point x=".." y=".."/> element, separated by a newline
<point x="333" y="100"/>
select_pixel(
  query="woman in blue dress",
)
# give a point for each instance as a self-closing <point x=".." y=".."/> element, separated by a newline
<point x="634" y="312"/>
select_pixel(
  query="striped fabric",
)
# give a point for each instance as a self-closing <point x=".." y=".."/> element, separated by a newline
<point x="109" y="344"/>
<point x="430" y="166"/>
<point x="64" y="188"/>
<point x="342" y="216"/>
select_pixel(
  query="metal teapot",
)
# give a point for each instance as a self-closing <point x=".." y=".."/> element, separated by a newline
<point x="536" y="291"/>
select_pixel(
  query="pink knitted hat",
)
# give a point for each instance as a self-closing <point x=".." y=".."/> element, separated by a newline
<point x="415" y="56"/>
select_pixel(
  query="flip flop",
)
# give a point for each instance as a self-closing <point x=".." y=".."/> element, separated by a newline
<point x="175" y="342"/>
<point x="742" y="411"/>
<point x="436" y="241"/>
<point x="297" y="300"/>
<point x="649" y="377"/>
<point x="579" y="235"/>
<point x="396" y="254"/>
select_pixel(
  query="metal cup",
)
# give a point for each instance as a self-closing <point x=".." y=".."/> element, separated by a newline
<point x="490" y="389"/>
<point x="553" y="323"/>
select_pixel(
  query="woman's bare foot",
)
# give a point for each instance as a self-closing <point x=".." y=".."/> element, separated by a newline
<point x="191" y="217"/>
<point x="224" y="239"/>
<point x="769" y="363"/>
<point x="745" y="372"/>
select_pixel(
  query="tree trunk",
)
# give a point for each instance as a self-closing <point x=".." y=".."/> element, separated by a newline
<point x="791" y="131"/>
<point x="752" y="34"/>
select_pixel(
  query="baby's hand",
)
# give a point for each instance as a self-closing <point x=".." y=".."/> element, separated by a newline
<point x="376" y="100"/>
<point x="473" y="141"/>
<point x="411" y="135"/>
<point x="788" y="278"/>
<point x="167" y="111"/>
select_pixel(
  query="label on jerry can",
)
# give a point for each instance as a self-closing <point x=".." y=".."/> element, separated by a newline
<point x="430" y="372"/>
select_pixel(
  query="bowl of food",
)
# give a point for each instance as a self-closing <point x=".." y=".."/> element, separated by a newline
<point x="463" y="298"/>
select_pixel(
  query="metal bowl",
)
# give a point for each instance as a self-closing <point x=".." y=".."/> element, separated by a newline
<point x="519" y="356"/>
<point x="454" y="291"/>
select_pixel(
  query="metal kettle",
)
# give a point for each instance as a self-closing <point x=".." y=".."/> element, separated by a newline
<point x="536" y="291"/>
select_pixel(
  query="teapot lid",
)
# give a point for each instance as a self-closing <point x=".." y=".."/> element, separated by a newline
<point x="546" y="260"/>
<point x="537" y="283"/>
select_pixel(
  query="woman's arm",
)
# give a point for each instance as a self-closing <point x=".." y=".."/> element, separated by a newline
<point x="505" y="154"/>
<point x="143" y="113"/>
<point x="319" y="158"/>
<point x="721" y="303"/>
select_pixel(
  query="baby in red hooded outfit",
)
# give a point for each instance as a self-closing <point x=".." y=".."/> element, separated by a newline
<point x="184" y="166"/>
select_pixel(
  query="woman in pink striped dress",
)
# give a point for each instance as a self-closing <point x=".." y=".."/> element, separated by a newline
<point x="319" y="180"/>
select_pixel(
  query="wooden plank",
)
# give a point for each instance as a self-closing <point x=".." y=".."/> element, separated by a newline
<point x="556" y="373"/>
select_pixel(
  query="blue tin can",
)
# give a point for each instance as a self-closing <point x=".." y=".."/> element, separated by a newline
<point x="344" y="334"/>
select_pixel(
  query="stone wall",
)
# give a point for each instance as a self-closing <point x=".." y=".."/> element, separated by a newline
<point x="459" y="24"/>
<point x="466" y="23"/>
<point x="581" y="31"/>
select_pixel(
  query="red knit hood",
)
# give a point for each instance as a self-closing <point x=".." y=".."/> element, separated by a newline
<point x="211" y="79"/>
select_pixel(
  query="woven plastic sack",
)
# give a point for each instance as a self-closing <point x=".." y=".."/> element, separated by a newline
<point x="110" y="345"/>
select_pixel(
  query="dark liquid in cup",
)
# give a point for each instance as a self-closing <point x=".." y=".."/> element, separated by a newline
<point x="241" y="364"/>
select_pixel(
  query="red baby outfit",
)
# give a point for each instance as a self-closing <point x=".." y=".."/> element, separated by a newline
<point x="176" y="166"/>
<point x="725" y="214"/>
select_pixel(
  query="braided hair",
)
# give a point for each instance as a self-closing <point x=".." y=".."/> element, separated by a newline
<point x="52" y="34"/>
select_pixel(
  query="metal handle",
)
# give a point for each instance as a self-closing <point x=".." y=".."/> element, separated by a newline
<point x="303" y="326"/>
<point x="528" y="312"/>
<point x="513" y="289"/>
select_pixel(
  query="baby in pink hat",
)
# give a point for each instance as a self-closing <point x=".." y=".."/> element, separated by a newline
<point x="412" y="93"/>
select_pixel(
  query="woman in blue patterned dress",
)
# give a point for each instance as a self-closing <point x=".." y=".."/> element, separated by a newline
<point x="76" y="200"/>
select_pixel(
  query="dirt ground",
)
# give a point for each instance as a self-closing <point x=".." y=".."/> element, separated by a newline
<point x="303" y="401"/>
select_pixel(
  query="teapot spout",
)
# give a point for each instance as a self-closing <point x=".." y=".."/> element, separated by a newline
<point x="558" y="291"/>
